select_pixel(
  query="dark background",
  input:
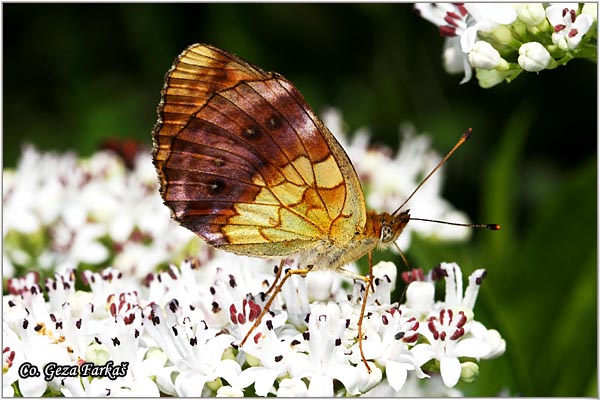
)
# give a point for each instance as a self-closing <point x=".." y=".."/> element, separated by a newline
<point x="76" y="74"/>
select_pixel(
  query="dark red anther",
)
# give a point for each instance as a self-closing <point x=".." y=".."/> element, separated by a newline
<point x="113" y="309"/>
<point x="256" y="337"/>
<point x="447" y="31"/>
<point x="462" y="320"/>
<point x="457" y="333"/>
<point x="415" y="326"/>
<point x="384" y="319"/>
<point x="461" y="9"/>
<point x="411" y="339"/>
<point x="241" y="318"/>
<point x="571" y="14"/>
<point x="559" y="27"/>
<point x="432" y="328"/>
<point x="480" y="278"/>
<point x="129" y="319"/>
<point x="233" y="314"/>
<point x="451" y="18"/>
<point x="149" y="278"/>
<point x="413" y="275"/>
<point x="573" y="32"/>
<point x="254" y="310"/>
<point x="442" y="336"/>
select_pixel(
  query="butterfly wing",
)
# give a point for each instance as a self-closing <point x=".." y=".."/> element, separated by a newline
<point x="245" y="163"/>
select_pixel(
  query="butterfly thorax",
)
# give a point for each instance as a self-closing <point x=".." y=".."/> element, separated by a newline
<point x="380" y="230"/>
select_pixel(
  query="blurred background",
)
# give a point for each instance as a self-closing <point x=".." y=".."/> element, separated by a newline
<point x="76" y="75"/>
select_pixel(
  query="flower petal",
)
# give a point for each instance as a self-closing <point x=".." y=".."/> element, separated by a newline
<point x="471" y="347"/>
<point x="320" y="386"/>
<point x="450" y="370"/>
<point x="262" y="378"/>
<point x="396" y="374"/>
<point x="190" y="384"/>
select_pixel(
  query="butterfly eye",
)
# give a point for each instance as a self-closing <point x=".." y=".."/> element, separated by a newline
<point x="387" y="234"/>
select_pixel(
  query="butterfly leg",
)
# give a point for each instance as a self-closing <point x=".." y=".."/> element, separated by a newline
<point x="368" y="279"/>
<point x="277" y="276"/>
<point x="265" y="309"/>
<point x="369" y="284"/>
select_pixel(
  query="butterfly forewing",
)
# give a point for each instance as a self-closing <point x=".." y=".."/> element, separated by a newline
<point x="245" y="163"/>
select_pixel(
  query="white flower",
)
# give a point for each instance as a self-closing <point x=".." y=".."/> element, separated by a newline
<point x="460" y="24"/>
<point x="194" y="349"/>
<point x="531" y="14"/>
<point x="533" y="57"/>
<point x="569" y="28"/>
<point x="484" y="55"/>
<point x="452" y="333"/>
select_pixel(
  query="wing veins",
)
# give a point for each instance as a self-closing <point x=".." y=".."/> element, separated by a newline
<point x="316" y="126"/>
<point x="263" y="127"/>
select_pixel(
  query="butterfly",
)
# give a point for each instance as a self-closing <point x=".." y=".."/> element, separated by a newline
<point x="245" y="163"/>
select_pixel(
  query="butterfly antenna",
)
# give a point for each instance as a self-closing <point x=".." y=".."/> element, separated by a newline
<point x="462" y="139"/>
<point x="493" y="227"/>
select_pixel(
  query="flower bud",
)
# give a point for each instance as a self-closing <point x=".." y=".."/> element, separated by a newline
<point x="531" y="14"/>
<point x="97" y="354"/>
<point x="502" y="35"/>
<point x="533" y="57"/>
<point x="158" y="354"/>
<point x="228" y="391"/>
<point x="420" y="296"/>
<point x="484" y="55"/>
<point x="489" y="78"/>
<point x="215" y="385"/>
<point x="591" y="9"/>
<point x="469" y="371"/>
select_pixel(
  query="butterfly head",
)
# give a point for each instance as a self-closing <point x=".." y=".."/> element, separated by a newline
<point x="392" y="226"/>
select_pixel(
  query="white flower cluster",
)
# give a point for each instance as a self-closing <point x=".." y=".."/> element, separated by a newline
<point x="178" y="334"/>
<point x="501" y="40"/>
<point x="136" y="332"/>
<point x="61" y="212"/>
